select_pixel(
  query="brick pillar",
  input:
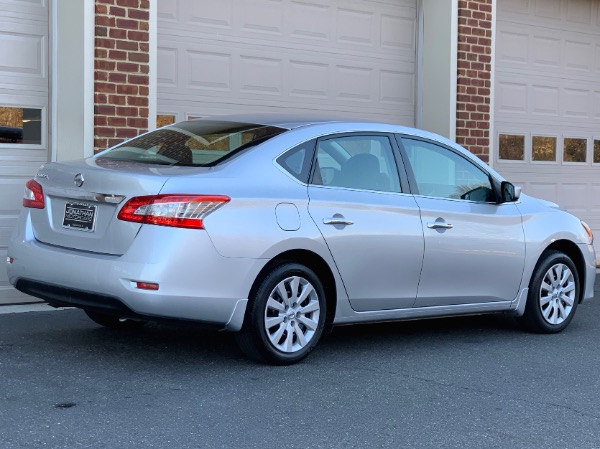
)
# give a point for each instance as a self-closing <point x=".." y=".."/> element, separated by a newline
<point x="474" y="76"/>
<point x="121" y="71"/>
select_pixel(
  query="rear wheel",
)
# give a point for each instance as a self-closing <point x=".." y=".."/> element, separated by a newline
<point x="553" y="294"/>
<point x="286" y="316"/>
<point x="113" y="321"/>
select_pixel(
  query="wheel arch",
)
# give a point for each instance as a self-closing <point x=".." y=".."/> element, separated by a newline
<point x="572" y="250"/>
<point x="313" y="261"/>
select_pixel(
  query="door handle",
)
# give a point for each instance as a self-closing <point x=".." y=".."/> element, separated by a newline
<point x="439" y="225"/>
<point x="337" y="221"/>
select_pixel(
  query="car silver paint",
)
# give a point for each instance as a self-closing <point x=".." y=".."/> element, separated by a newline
<point x="209" y="277"/>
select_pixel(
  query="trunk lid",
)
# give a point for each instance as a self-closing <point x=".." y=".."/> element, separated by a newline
<point x="83" y="198"/>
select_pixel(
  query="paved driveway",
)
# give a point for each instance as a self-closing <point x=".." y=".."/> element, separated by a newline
<point x="474" y="382"/>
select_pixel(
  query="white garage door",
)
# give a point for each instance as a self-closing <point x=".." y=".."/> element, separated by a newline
<point x="23" y="112"/>
<point x="547" y="101"/>
<point x="353" y="58"/>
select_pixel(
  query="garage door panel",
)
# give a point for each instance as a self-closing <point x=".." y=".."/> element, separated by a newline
<point x="23" y="110"/>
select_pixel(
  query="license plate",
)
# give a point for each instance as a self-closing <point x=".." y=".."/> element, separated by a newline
<point x="80" y="216"/>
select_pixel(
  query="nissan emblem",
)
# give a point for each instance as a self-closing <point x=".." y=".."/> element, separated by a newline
<point x="79" y="180"/>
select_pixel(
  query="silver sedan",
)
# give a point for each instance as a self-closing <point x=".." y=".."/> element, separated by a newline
<point x="279" y="227"/>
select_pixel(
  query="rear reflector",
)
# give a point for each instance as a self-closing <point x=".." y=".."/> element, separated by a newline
<point x="34" y="195"/>
<point x="180" y="211"/>
<point x="146" y="285"/>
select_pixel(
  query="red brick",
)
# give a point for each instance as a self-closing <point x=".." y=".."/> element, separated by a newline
<point x="100" y="98"/>
<point x="116" y="77"/>
<point x="118" y="12"/>
<point x="100" y="75"/>
<point x="143" y="112"/>
<point x="107" y="2"/>
<point x="127" y="45"/>
<point x="105" y="110"/>
<point x="101" y="31"/>
<point x="100" y="9"/>
<point x="139" y="57"/>
<point x="105" y="43"/>
<point x="129" y="3"/>
<point x="126" y="89"/>
<point x="145" y="4"/>
<point x="105" y="87"/>
<point x="105" y="21"/>
<point x="104" y="131"/>
<point x="137" y="101"/>
<point x="138" y="79"/>
<point x="127" y="111"/>
<point x="100" y="120"/>
<point x="141" y="36"/>
<point x="127" y="67"/>
<point x="100" y="53"/>
<point x="117" y="33"/>
<point x="127" y="24"/>
<point x="120" y="100"/>
<point x="144" y="26"/>
<point x="100" y="143"/>
<point x="118" y="55"/>
<point x="143" y="90"/>
<point x="139" y="14"/>
<point x="104" y="65"/>
<point x="136" y="122"/>
<point x="117" y="121"/>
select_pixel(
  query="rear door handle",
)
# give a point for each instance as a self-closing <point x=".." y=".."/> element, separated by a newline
<point x="439" y="225"/>
<point x="337" y="221"/>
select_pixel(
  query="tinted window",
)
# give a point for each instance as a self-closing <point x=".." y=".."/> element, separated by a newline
<point x="357" y="162"/>
<point x="440" y="172"/>
<point x="193" y="143"/>
<point x="297" y="161"/>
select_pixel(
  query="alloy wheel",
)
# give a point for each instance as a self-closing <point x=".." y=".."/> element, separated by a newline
<point x="557" y="294"/>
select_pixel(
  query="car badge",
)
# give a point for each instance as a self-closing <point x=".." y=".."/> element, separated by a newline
<point x="79" y="180"/>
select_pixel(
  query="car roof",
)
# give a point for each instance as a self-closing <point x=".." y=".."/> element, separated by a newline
<point x="286" y="120"/>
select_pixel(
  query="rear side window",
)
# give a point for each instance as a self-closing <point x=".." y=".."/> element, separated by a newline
<point x="194" y="143"/>
<point x="297" y="161"/>
<point x="357" y="162"/>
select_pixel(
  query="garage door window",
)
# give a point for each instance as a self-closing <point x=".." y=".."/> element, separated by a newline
<point x="543" y="148"/>
<point x="512" y="147"/>
<point x="574" y="150"/>
<point x="596" y="151"/>
<point x="21" y="125"/>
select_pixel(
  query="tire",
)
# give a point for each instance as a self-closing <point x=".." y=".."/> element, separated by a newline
<point x="285" y="316"/>
<point x="554" y="292"/>
<point x="113" y="321"/>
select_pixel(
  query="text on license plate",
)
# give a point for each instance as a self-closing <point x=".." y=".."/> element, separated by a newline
<point x="80" y="216"/>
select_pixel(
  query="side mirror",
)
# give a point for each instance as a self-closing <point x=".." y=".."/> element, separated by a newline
<point x="509" y="192"/>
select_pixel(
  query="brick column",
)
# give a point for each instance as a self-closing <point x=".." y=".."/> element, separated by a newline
<point x="121" y="71"/>
<point x="474" y="76"/>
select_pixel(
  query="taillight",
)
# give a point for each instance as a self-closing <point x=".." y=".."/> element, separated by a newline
<point x="181" y="211"/>
<point x="33" y="195"/>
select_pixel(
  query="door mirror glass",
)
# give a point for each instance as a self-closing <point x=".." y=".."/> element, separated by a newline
<point x="509" y="192"/>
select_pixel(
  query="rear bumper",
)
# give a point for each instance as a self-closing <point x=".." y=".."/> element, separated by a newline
<point x="195" y="282"/>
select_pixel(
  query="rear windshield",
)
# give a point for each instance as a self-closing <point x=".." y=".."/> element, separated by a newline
<point x="198" y="143"/>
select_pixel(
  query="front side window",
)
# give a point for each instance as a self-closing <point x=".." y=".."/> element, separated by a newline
<point x="442" y="173"/>
<point x="357" y="162"/>
<point x="194" y="143"/>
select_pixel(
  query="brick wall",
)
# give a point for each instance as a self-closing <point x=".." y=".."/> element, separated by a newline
<point x="474" y="76"/>
<point x="121" y="71"/>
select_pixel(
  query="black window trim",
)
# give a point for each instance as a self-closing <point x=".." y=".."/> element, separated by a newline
<point x="310" y="161"/>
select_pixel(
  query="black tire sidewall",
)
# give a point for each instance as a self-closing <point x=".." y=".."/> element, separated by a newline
<point x="254" y="325"/>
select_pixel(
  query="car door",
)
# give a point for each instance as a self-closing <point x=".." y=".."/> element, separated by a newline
<point x="474" y="247"/>
<point x="368" y="220"/>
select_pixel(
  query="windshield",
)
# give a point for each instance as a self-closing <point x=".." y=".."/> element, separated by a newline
<point x="197" y="143"/>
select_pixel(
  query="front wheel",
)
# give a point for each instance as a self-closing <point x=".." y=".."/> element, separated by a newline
<point x="286" y="316"/>
<point x="553" y="294"/>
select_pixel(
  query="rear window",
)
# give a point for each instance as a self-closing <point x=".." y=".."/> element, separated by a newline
<point x="195" y="143"/>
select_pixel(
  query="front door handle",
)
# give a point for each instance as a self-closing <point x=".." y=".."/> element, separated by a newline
<point x="439" y="225"/>
<point x="337" y="221"/>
